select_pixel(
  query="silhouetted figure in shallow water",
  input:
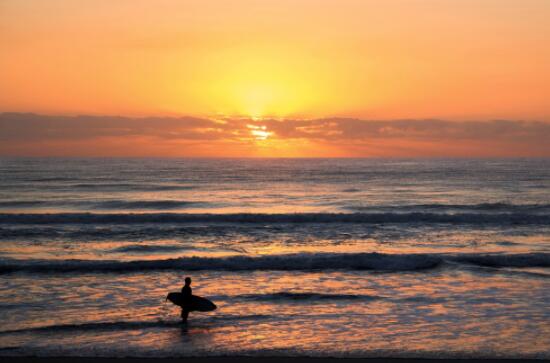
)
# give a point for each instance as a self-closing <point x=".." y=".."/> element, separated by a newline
<point x="189" y="302"/>
<point x="187" y="293"/>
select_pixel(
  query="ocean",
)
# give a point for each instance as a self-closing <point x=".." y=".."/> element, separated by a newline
<point x="435" y="258"/>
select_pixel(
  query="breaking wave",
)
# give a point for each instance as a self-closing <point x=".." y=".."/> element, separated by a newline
<point x="302" y="296"/>
<point x="141" y="248"/>
<point x="119" y="325"/>
<point x="506" y="260"/>
<point x="129" y="325"/>
<point x="365" y="218"/>
<point x="288" y="262"/>
<point x="481" y="207"/>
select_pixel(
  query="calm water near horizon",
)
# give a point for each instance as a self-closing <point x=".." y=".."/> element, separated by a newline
<point x="318" y="257"/>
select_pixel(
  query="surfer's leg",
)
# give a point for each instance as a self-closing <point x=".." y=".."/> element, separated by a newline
<point x="184" y="314"/>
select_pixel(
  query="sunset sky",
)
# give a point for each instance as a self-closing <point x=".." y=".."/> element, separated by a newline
<point x="275" y="78"/>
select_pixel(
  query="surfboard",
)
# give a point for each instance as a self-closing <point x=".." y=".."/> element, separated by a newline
<point x="197" y="303"/>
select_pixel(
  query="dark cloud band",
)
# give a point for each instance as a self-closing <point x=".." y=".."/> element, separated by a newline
<point x="30" y="127"/>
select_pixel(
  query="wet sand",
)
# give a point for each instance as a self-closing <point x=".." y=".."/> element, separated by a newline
<point x="237" y="359"/>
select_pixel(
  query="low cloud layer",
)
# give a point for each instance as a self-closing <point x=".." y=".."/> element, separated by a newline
<point x="31" y="134"/>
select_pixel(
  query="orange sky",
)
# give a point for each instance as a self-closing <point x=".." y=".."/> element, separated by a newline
<point x="453" y="60"/>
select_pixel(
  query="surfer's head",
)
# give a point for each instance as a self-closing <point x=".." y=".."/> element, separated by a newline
<point x="188" y="281"/>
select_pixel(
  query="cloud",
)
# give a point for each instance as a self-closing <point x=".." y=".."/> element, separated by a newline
<point x="527" y="137"/>
<point x="354" y="129"/>
<point x="22" y="126"/>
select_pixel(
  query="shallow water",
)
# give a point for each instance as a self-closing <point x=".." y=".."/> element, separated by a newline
<point x="430" y="258"/>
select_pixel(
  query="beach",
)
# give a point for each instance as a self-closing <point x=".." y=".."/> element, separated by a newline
<point x="263" y="359"/>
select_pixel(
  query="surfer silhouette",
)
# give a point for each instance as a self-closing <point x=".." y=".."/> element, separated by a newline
<point x="189" y="302"/>
<point x="186" y="293"/>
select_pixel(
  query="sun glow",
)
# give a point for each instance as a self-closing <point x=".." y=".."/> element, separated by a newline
<point x="259" y="132"/>
<point x="260" y="83"/>
<point x="313" y="78"/>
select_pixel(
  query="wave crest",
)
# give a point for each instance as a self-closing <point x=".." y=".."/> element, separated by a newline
<point x="288" y="262"/>
<point x="290" y="218"/>
<point x="303" y="296"/>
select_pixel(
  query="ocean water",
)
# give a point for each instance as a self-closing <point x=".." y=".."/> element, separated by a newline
<point x="316" y="257"/>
